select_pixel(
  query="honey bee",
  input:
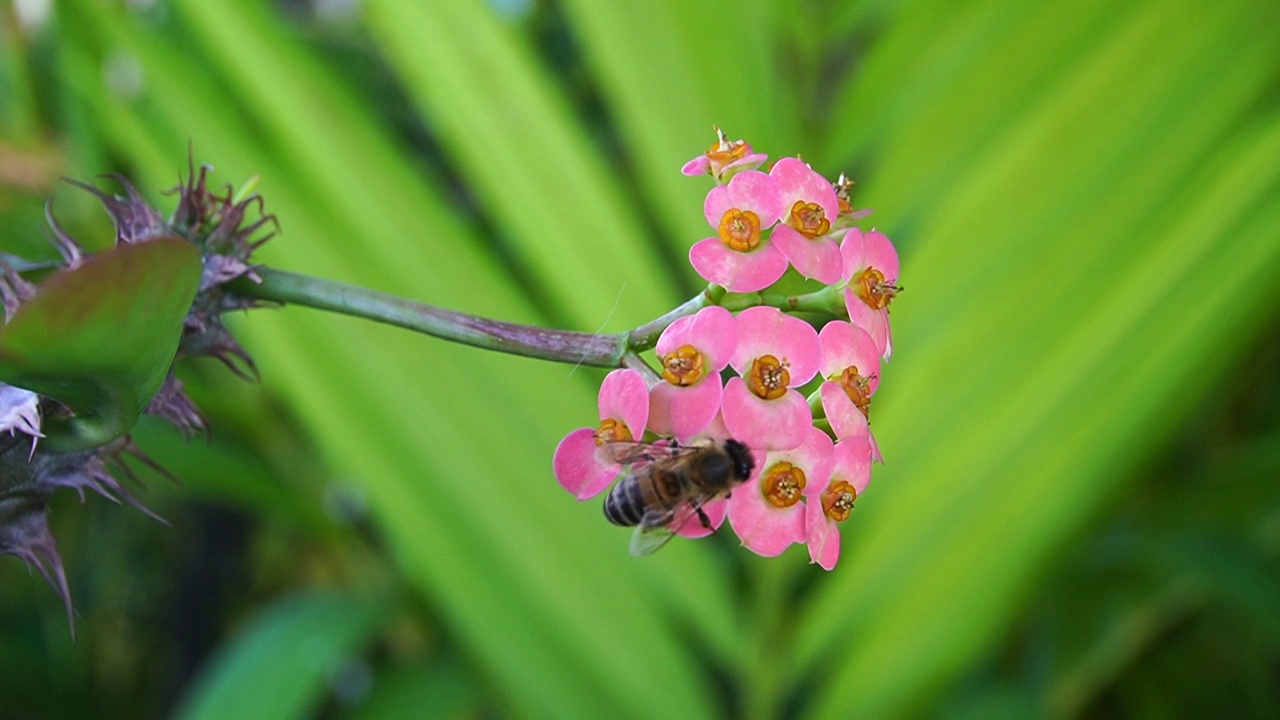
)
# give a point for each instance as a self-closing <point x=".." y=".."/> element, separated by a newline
<point x="667" y="484"/>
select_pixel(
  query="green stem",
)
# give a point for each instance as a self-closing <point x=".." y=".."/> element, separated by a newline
<point x="608" y="350"/>
<point x="646" y="336"/>
<point x="597" y="350"/>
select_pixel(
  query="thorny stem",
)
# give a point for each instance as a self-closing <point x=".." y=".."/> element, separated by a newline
<point x="609" y="350"/>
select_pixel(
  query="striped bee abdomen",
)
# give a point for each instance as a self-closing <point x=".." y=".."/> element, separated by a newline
<point x="636" y="495"/>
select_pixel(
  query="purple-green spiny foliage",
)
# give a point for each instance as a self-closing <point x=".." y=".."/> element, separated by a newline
<point x="92" y="346"/>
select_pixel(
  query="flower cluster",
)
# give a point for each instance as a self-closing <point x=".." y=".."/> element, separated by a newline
<point x="790" y="376"/>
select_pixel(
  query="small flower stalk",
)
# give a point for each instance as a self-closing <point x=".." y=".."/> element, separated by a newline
<point x="790" y="376"/>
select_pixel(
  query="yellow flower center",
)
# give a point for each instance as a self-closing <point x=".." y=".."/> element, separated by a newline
<point x="740" y="230"/>
<point x="683" y="366"/>
<point x="856" y="386"/>
<point x="769" y="377"/>
<point x="837" y="500"/>
<point x="725" y="151"/>
<point x="783" y="484"/>
<point x="809" y="219"/>
<point x="611" y="431"/>
<point x="872" y="288"/>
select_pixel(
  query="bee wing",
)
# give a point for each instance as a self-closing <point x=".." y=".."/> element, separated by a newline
<point x="640" y="453"/>
<point x="648" y="539"/>
<point x="657" y="527"/>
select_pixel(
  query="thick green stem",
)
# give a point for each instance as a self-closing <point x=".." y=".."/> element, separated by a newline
<point x="610" y="350"/>
<point x="598" y="350"/>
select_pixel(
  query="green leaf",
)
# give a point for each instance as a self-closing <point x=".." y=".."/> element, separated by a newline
<point x="100" y="338"/>
<point x="1059" y="324"/>
<point x="422" y="691"/>
<point x="280" y="664"/>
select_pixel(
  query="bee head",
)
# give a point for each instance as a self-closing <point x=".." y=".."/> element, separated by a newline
<point x="740" y="455"/>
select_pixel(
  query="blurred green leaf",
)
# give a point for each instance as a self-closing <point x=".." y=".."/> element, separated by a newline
<point x="515" y="140"/>
<point x="280" y="665"/>
<point x="427" y="691"/>
<point x="100" y="338"/>
<point x="1031" y="393"/>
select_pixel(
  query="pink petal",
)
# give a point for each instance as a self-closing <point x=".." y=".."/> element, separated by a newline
<point x="712" y="330"/>
<point x="766" y="330"/>
<point x="700" y="165"/>
<point x="879" y="253"/>
<point x="764" y="529"/>
<point x="799" y="182"/>
<point x="625" y="396"/>
<point x="748" y="190"/>
<point x="750" y="161"/>
<point x="715" y="431"/>
<point x="822" y="535"/>
<point x="875" y="322"/>
<point x="851" y="462"/>
<point x="814" y="456"/>
<point x="738" y="271"/>
<point x="845" y="418"/>
<point x="851" y="256"/>
<point x="684" y="411"/>
<point x="576" y="467"/>
<point x="844" y="344"/>
<point x="715" y="511"/>
<point x="861" y="250"/>
<point x="780" y="424"/>
<point x="818" y="259"/>
<point x="875" y="449"/>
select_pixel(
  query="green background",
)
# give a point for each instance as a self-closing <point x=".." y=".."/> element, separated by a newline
<point x="1079" y="514"/>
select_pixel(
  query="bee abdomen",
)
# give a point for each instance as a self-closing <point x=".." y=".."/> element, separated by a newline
<point x="624" y="505"/>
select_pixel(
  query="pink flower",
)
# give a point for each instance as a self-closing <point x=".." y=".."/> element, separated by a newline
<point x="829" y="502"/>
<point x="776" y="352"/>
<point x="871" y="269"/>
<point x="850" y="365"/>
<point x="741" y="257"/>
<point x="624" y="410"/>
<point x="809" y="207"/>
<point x="724" y="159"/>
<point x="844" y="192"/>
<point x="767" y="512"/>
<point x="693" y="350"/>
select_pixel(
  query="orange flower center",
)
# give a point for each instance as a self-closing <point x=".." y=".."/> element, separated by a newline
<point x="782" y="484"/>
<point x="857" y="387"/>
<point x="740" y="230"/>
<point x="611" y="431"/>
<point x="725" y="151"/>
<point x="769" y="377"/>
<point x="683" y="366"/>
<point x="837" y="500"/>
<point x="874" y="291"/>
<point x="809" y="219"/>
<point x="844" y="187"/>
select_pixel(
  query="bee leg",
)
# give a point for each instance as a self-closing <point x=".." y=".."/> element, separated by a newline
<point x="706" y="521"/>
